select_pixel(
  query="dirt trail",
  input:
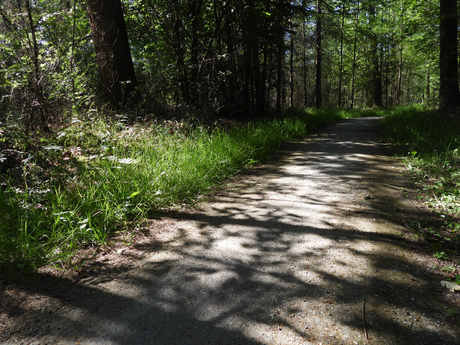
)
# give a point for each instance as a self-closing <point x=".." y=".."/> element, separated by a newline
<point x="307" y="250"/>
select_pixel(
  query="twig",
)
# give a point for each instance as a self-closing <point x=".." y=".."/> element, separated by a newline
<point x="364" y="322"/>
<point x="412" y="278"/>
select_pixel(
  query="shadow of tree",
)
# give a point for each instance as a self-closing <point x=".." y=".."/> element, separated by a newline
<point x="296" y="255"/>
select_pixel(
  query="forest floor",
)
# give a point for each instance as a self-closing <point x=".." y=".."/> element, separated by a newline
<point x="309" y="248"/>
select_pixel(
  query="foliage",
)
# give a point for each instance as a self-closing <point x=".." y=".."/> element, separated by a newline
<point x="94" y="177"/>
<point x="51" y="82"/>
<point x="69" y="177"/>
<point x="232" y="58"/>
<point x="431" y="144"/>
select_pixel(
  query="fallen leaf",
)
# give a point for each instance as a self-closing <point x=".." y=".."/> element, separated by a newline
<point x="451" y="286"/>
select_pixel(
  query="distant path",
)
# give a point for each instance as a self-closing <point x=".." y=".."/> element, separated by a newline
<point x="305" y="250"/>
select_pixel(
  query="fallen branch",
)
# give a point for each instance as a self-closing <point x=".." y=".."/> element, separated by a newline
<point x="364" y="322"/>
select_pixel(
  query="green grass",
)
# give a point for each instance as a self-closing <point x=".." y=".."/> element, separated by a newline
<point x="430" y="144"/>
<point x="94" y="178"/>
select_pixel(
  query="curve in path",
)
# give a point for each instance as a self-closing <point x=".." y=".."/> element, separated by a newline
<point x="306" y="250"/>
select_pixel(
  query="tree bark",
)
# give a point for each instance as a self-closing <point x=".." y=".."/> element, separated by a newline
<point x="376" y="72"/>
<point x="115" y="66"/>
<point x="305" y="66"/>
<point x="353" y="71"/>
<point x="291" y="62"/>
<point x="195" y="9"/>
<point x="318" y="56"/>
<point x="427" y="84"/>
<point x="37" y="89"/>
<point x="449" y="91"/>
<point x="341" y="56"/>
<point x="279" y="68"/>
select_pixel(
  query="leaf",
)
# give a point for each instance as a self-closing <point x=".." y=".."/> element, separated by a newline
<point x="450" y="286"/>
<point x="133" y="195"/>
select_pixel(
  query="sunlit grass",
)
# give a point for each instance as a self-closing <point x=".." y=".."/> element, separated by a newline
<point x="100" y="176"/>
<point x="430" y="145"/>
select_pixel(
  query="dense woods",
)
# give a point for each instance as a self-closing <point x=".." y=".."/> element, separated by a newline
<point x="226" y="58"/>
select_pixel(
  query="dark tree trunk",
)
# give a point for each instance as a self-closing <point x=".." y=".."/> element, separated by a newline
<point x="341" y="56"/>
<point x="400" y="66"/>
<point x="376" y="72"/>
<point x="232" y="81"/>
<point x="353" y="71"/>
<point x="279" y="69"/>
<point x="318" y="56"/>
<point x="115" y="66"/>
<point x="247" y="63"/>
<point x="427" y="84"/>
<point x="305" y="66"/>
<point x="449" y="91"/>
<point x="37" y="90"/>
<point x="291" y="62"/>
<point x="399" y="79"/>
<point x="195" y="9"/>
<point x="258" y="84"/>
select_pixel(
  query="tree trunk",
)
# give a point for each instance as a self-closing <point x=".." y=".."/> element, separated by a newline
<point x="376" y="72"/>
<point x="341" y="56"/>
<point x="400" y="62"/>
<point x="115" y="66"/>
<point x="427" y="84"/>
<point x="291" y="62"/>
<point x="195" y="9"/>
<point x="399" y="79"/>
<point x="449" y="91"/>
<point x="353" y="68"/>
<point x="37" y="89"/>
<point x="305" y="66"/>
<point x="279" y="70"/>
<point x="318" y="56"/>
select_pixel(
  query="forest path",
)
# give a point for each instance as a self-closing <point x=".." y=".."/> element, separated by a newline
<point x="306" y="250"/>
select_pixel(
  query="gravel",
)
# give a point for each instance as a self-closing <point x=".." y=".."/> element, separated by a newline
<point x="307" y="249"/>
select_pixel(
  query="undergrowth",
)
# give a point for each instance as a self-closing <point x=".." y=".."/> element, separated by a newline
<point x="94" y="177"/>
<point x="431" y="149"/>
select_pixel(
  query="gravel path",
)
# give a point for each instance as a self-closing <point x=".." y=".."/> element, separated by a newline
<point x="307" y="250"/>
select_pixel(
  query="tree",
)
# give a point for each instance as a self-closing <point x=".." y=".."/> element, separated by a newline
<point x="319" y="56"/>
<point x="36" y="87"/>
<point x="235" y="57"/>
<point x="449" y="91"/>
<point x="375" y="71"/>
<point x="115" y="66"/>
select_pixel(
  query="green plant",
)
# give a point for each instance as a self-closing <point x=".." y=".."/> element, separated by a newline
<point x="441" y="255"/>
<point x="429" y="144"/>
<point x="451" y="312"/>
<point x="94" y="178"/>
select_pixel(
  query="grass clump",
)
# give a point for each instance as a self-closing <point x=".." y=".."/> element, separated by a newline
<point x="92" y="178"/>
<point x="431" y="147"/>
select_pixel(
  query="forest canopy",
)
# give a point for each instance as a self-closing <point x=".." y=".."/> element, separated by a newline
<point x="231" y="58"/>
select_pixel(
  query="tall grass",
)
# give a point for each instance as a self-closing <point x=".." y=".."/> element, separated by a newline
<point x="100" y="176"/>
<point x="426" y="132"/>
<point x="431" y="144"/>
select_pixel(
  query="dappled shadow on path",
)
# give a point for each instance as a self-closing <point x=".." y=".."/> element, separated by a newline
<point x="286" y="257"/>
